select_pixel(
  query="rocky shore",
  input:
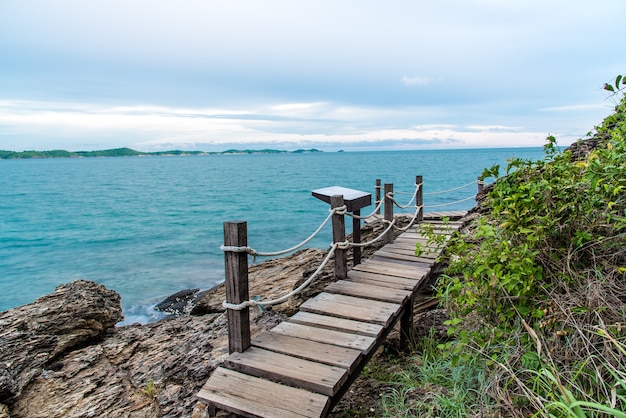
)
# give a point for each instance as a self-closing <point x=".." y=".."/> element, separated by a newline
<point x="63" y="356"/>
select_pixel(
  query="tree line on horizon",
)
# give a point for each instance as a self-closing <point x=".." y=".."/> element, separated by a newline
<point x="128" y="152"/>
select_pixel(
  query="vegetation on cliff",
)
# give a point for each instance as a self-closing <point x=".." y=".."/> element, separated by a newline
<point x="536" y="293"/>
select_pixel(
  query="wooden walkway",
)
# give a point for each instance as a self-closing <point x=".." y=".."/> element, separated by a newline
<point x="304" y="365"/>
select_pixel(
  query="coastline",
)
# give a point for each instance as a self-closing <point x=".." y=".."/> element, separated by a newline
<point x="66" y="356"/>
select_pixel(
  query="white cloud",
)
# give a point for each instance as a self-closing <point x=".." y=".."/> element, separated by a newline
<point x="150" y="128"/>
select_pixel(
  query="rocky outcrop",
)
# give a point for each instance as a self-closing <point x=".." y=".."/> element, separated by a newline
<point x="62" y="355"/>
<point x="33" y="337"/>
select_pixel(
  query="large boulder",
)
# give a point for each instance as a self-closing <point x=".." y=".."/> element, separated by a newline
<point x="33" y="337"/>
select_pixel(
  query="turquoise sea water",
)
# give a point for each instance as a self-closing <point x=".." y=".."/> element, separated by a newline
<point x="150" y="226"/>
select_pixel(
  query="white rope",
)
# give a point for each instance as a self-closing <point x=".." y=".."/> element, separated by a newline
<point x="252" y="302"/>
<point x="341" y="210"/>
<point x="376" y="209"/>
<point x="415" y="215"/>
<point x="452" y="190"/>
<point x="382" y="234"/>
<point x="451" y="203"/>
<point x="417" y="188"/>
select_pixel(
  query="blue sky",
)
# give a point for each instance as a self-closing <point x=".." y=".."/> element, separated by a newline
<point x="353" y="75"/>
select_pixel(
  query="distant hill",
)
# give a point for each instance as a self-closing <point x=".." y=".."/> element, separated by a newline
<point x="128" y="152"/>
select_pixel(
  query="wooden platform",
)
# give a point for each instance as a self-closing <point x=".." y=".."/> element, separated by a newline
<point x="304" y="365"/>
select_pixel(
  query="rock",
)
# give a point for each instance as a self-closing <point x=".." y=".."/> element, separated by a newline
<point x="34" y="336"/>
<point x="62" y="356"/>
<point x="269" y="279"/>
<point x="178" y="303"/>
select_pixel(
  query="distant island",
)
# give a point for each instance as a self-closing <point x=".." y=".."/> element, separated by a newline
<point x="128" y="152"/>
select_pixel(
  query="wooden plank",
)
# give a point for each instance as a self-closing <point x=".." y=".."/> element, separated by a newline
<point x="383" y="280"/>
<point x="309" y="350"/>
<point x="337" y="324"/>
<point x="412" y="258"/>
<point x="427" y="252"/>
<point x="350" y="307"/>
<point x="253" y="397"/>
<point x="422" y="264"/>
<point x="288" y="370"/>
<point x="408" y="248"/>
<point x="391" y="268"/>
<point x="447" y="214"/>
<point x="343" y="339"/>
<point x="368" y="291"/>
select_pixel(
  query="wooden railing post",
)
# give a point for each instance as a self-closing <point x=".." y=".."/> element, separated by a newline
<point x="236" y="268"/>
<point x="481" y="186"/>
<point x="339" y="235"/>
<point x="377" y="196"/>
<point x="356" y="237"/>
<point x="419" y="197"/>
<point x="388" y="189"/>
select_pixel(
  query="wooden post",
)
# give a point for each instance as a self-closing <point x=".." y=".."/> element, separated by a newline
<point x="377" y="196"/>
<point x="481" y="186"/>
<point x="388" y="189"/>
<point x="339" y="235"/>
<point x="419" y="198"/>
<point x="236" y="268"/>
<point x="407" y="331"/>
<point x="356" y="237"/>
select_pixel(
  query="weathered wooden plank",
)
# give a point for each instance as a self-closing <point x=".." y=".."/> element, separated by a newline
<point x="412" y="258"/>
<point x="350" y="307"/>
<point x="409" y="270"/>
<point x="337" y="324"/>
<point x="407" y="244"/>
<point x="310" y="350"/>
<point x="254" y="397"/>
<point x="378" y="279"/>
<point x="391" y="268"/>
<point x="288" y="370"/>
<point x="427" y="252"/>
<point x="408" y="255"/>
<point x="362" y="343"/>
<point x="444" y="214"/>
<point x="368" y="291"/>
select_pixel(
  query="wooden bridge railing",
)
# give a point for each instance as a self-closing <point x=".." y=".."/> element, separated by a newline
<point x="236" y="263"/>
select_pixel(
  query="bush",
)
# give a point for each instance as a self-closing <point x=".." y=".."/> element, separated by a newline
<point x="547" y="264"/>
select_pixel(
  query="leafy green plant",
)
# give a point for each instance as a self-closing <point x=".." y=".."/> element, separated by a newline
<point x="549" y="259"/>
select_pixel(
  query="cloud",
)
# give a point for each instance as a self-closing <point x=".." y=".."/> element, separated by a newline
<point x="286" y="126"/>
<point x="416" y="81"/>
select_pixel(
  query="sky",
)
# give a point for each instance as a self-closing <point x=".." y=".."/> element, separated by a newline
<point x="211" y="75"/>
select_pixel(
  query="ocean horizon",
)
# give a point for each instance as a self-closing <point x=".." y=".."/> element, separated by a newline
<point x="148" y="227"/>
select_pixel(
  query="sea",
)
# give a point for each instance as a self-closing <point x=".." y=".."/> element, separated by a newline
<point x="148" y="227"/>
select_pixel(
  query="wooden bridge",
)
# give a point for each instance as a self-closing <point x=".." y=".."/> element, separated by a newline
<point x="304" y="365"/>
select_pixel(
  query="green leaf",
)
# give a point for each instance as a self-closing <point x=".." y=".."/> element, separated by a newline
<point x="608" y="87"/>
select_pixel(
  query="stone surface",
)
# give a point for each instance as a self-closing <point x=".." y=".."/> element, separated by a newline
<point x="62" y="355"/>
<point x="36" y="335"/>
<point x="178" y="303"/>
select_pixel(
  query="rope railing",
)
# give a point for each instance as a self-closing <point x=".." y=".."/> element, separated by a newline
<point x="255" y="253"/>
<point x="451" y="203"/>
<point x="281" y="299"/>
<point x="417" y="189"/>
<point x="342" y="245"/>
<point x="454" y="189"/>
<point x="415" y="216"/>
<point x="237" y="250"/>
<point x="378" y="238"/>
<point x="374" y="212"/>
